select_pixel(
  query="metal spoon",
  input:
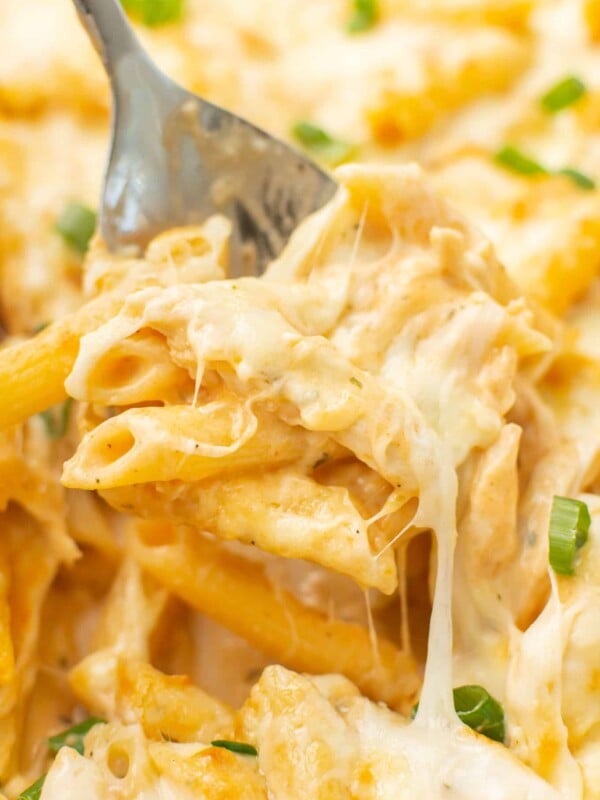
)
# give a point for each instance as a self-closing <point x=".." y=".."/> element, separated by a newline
<point x="175" y="159"/>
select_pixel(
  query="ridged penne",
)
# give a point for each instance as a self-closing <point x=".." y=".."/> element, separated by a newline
<point x="237" y="593"/>
<point x="185" y="443"/>
<point x="282" y="512"/>
<point x="33" y="372"/>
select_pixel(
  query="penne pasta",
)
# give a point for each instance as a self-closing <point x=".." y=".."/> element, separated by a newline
<point x="169" y="706"/>
<point x="281" y="512"/>
<point x="7" y="653"/>
<point x="33" y="372"/>
<point x="139" y="370"/>
<point x="237" y="594"/>
<point x="330" y="532"/>
<point x="185" y="443"/>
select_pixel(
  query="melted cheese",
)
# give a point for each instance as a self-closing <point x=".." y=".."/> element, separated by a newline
<point x="273" y="337"/>
<point x="389" y="332"/>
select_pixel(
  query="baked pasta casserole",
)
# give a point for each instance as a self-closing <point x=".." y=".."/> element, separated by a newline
<point x="332" y="533"/>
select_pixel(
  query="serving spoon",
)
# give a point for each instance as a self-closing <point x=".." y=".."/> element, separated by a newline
<point x="175" y="158"/>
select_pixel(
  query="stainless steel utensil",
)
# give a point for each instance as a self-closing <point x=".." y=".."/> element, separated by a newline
<point x="175" y="158"/>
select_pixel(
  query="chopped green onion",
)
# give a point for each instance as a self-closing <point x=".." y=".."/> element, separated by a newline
<point x="34" y="791"/>
<point x="578" y="178"/>
<point x="480" y="711"/>
<point x="76" y="225"/>
<point x="56" y="419"/>
<point x="513" y="159"/>
<point x="236" y="747"/>
<point x="569" y="527"/>
<point x="365" y="16"/>
<point x="155" y="12"/>
<point x="563" y="94"/>
<point x="73" y="737"/>
<point x="477" y="708"/>
<point x="313" y="138"/>
<point x="356" y="382"/>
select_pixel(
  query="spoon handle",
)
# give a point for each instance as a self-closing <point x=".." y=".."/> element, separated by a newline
<point x="109" y="30"/>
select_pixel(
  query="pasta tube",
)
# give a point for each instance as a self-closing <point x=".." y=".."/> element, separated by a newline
<point x="184" y="443"/>
<point x="7" y="654"/>
<point x="169" y="705"/>
<point x="237" y="594"/>
<point x="33" y="373"/>
<point x="282" y="512"/>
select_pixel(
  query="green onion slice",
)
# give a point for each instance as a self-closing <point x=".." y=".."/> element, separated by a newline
<point x="569" y="527"/>
<point x="563" y="94"/>
<point x="236" y="747"/>
<point x="324" y="146"/>
<point x="480" y="711"/>
<point x="34" y="791"/>
<point x="56" y="419"/>
<point x="513" y="159"/>
<point x="73" y="737"/>
<point x="477" y="708"/>
<point x="76" y="225"/>
<point x="365" y="16"/>
<point x="155" y="12"/>
<point x="578" y="178"/>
